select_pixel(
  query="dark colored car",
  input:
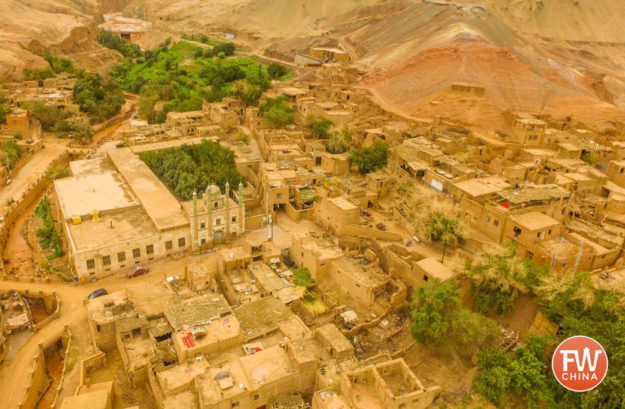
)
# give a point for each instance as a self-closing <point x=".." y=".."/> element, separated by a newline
<point x="97" y="293"/>
<point x="137" y="271"/>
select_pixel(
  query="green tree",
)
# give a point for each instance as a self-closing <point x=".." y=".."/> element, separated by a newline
<point x="276" y="70"/>
<point x="499" y="278"/>
<point x="276" y="113"/>
<point x="371" y="158"/>
<point x="436" y="307"/>
<point x="13" y="153"/>
<point x="115" y="42"/>
<point x="444" y="230"/>
<point x="590" y="157"/>
<point x="4" y="109"/>
<point x="321" y="128"/>
<point x="100" y="99"/>
<point x="192" y="168"/>
<point x="303" y="278"/>
<point x="47" y="115"/>
<point x="520" y="374"/>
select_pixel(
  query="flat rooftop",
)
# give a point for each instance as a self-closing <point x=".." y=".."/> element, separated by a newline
<point x="86" y="166"/>
<point x="81" y="195"/>
<point x="483" y="186"/>
<point x="534" y="220"/>
<point x="159" y="146"/>
<point x="342" y="203"/>
<point x="267" y="366"/>
<point x="197" y="311"/>
<point x="151" y="298"/>
<point x="98" y="399"/>
<point x="435" y="269"/>
<point x="262" y="316"/>
<point x="159" y="203"/>
<point x="124" y="225"/>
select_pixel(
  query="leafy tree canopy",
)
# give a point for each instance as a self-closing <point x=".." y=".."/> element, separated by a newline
<point x="371" y="158"/>
<point x="192" y="168"/>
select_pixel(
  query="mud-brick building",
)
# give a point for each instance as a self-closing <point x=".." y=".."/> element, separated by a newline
<point x="389" y="385"/>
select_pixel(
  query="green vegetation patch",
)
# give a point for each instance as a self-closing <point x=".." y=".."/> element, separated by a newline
<point x="46" y="235"/>
<point x="190" y="169"/>
<point x="115" y="42"/>
<point x="371" y="158"/>
<point x="99" y="99"/>
<point x="12" y="153"/>
<point x="276" y="112"/>
<point x="184" y="75"/>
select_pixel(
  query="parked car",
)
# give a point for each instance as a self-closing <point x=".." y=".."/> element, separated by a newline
<point x="137" y="271"/>
<point x="97" y="293"/>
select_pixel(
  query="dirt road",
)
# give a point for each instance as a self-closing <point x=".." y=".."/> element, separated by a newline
<point x="35" y="167"/>
<point x="14" y="373"/>
<point x="17" y="250"/>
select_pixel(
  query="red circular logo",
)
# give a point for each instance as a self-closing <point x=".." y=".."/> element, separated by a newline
<point x="579" y="363"/>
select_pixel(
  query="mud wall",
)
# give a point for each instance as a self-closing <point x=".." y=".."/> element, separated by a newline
<point x="25" y="200"/>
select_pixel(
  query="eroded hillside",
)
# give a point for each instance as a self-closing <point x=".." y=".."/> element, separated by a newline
<point x="551" y="56"/>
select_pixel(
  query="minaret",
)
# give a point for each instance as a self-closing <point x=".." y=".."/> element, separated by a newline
<point x="228" y="221"/>
<point x="209" y="210"/>
<point x="195" y="238"/>
<point x="241" y="223"/>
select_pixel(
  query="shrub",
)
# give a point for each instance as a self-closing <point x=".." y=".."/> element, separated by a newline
<point x="13" y="153"/>
<point x="321" y="128"/>
<point x="371" y="158"/>
<point x="276" y="70"/>
<point x="276" y="113"/>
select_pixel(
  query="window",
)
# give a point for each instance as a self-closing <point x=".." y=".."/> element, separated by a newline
<point x="622" y="169"/>
<point x="121" y="256"/>
<point x="538" y="235"/>
<point x="235" y="404"/>
<point x="549" y="232"/>
<point x="279" y="195"/>
<point x="217" y="222"/>
<point x="106" y="260"/>
<point x="149" y="249"/>
<point x="234" y="219"/>
<point x="496" y="222"/>
<point x="517" y="231"/>
<point x="136" y="253"/>
<point x="181" y="242"/>
<point x="487" y="219"/>
<point x="216" y="205"/>
<point x="168" y="245"/>
<point x="90" y="264"/>
<point x="256" y="397"/>
<point x="202" y="225"/>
